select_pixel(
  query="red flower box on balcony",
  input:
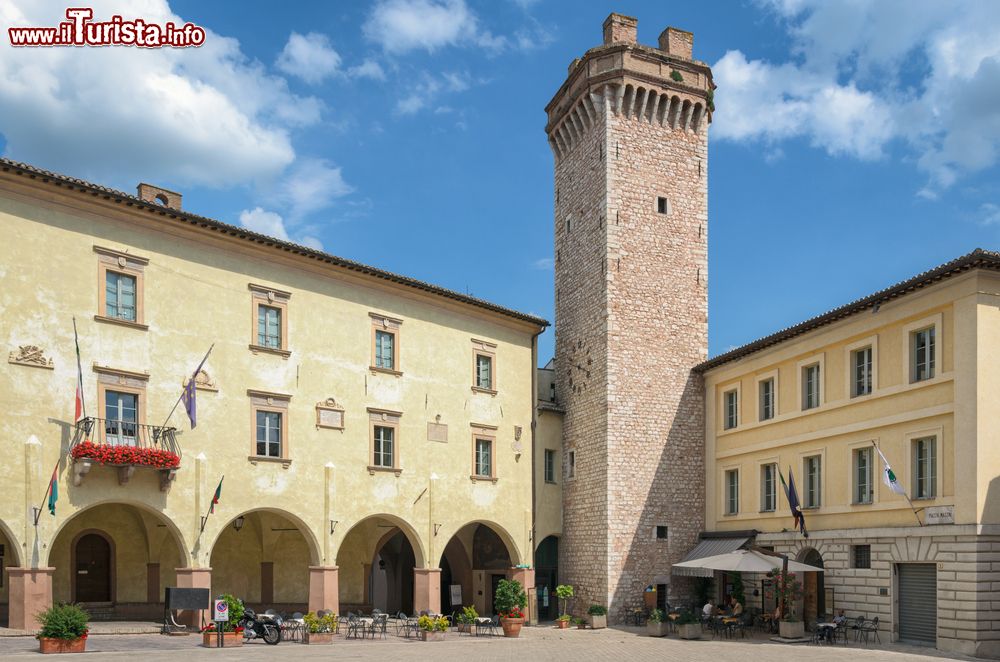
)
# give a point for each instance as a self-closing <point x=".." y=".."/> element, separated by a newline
<point x="126" y="455"/>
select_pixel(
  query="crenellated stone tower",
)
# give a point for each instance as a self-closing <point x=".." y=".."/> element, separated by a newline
<point x="629" y="131"/>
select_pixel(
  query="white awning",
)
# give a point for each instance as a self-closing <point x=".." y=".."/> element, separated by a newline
<point x="705" y="548"/>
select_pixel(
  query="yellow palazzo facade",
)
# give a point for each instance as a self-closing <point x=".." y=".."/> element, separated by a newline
<point x="373" y="434"/>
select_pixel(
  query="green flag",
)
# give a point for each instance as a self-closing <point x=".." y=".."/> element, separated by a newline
<point x="54" y="490"/>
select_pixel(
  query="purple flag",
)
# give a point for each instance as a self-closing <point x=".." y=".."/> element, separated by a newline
<point x="190" y="401"/>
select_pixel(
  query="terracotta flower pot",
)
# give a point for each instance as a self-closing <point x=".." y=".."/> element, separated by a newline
<point x="50" y="645"/>
<point x="229" y="639"/>
<point x="563" y="625"/>
<point x="318" y="637"/>
<point x="431" y="636"/>
<point x="511" y="626"/>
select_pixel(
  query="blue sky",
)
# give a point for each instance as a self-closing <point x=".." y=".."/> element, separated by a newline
<point x="854" y="143"/>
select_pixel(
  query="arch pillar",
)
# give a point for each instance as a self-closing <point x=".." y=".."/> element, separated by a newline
<point x="427" y="590"/>
<point x="29" y="593"/>
<point x="324" y="588"/>
<point x="526" y="577"/>
<point x="195" y="578"/>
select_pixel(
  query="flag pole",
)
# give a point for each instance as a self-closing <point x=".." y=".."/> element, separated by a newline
<point x="38" y="511"/>
<point x="194" y="376"/>
<point x="211" y="506"/>
<point x="79" y="369"/>
<point x="905" y="495"/>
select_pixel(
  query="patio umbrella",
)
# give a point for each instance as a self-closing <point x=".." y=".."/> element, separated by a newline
<point x="746" y="560"/>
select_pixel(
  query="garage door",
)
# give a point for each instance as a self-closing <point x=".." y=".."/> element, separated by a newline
<point x="918" y="603"/>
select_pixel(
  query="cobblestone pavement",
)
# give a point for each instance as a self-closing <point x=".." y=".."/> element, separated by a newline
<point x="539" y="643"/>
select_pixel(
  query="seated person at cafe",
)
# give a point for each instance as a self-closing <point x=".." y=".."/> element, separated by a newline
<point x="709" y="609"/>
<point x="737" y="608"/>
<point x="840" y="619"/>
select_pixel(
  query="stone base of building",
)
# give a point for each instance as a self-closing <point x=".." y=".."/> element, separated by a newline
<point x="960" y="562"/>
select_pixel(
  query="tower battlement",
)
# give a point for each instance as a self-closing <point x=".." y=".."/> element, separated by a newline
<point x="662" y="86"/>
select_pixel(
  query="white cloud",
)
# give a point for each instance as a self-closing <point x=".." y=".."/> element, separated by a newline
<point x="425" y="92"/>
<point x="989" y="214"/>
<point x="200" y="116"/>
<point x="400" y="26"/>
<point x="309" y="57"/>
<point x="367" y="69"/>
<point x="544" y="263"/>
<point x="310" y="185"/>
<point x="869" y="72"/>
<point x="273" y="225"/>
<point x="264" y="222"/>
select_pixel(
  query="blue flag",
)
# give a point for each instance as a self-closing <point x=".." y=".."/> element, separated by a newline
<point x="798" y="518"/>
<point x="191" y="401"/>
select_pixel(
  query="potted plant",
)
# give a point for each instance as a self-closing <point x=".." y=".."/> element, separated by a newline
<point x="688" y="625"/>
<point x="466" y="619"/>
<point x="64" y="629"/>
<point x="657" y="624"/>
<point x="232" y="634"/>
<point x="788" y="589"/>
<point x="431" y="628"/>
<point x="564" y="592"/>
<point x="509" y="601"/>
<point x="581" y="623"/>
<point x="319" y="629"/>
<point x="598" y="616"/>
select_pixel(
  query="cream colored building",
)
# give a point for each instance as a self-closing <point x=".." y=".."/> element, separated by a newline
<point x="914" y="370"/>
<point x="375" y="433"/>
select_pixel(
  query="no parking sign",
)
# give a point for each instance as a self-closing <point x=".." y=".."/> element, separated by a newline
<point x="221" y="611"/>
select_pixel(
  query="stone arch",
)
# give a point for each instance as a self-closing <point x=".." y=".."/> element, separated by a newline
<point x="146" y="548"/>
<point x="172" y="528"/>
<point x="516" y="558"/>
<point x="662" y="110"/>
<point x="358" y="554"/>
<point x="685" y="114"/>
<point x="813" y="584"/>
<point x="419" y="550"/>
<point x="310" y="537"/>
<point x="546" y="564"/>
<point x="13" y="544"/>
<point x="675" y="111"/>
<point x="263" y="556"/>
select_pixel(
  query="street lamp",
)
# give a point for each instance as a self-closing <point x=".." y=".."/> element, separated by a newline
<point x="238" y="523"/>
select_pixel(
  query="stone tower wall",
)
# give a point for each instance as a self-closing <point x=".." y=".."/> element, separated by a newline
<point x="631" y="313"/>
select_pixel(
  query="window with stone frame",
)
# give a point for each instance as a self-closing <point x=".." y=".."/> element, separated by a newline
<point x="810" y="386"/>
<point x="731" y="409"/>
<point x="571" y="464"/>
<point x="385" y="344"/>
<point x="812" y="468"/>
<point x="270" y="320"/>
<point x="925" y="468"/>
<point x="121" y="288"/>
<point x="549" y="471"/>
<point x="861" y="557"/>
<point x="861" y="371"/>
<point x="766" y="387"/>
<point x="384" y="441"/>
<point x="922" y="354"/>
<point x="864" y="487"/>
<point x="269" y="412"/>
<point x="732" y="492"/>
<point x="484" y="366"/>
<point x="768" y="487"/>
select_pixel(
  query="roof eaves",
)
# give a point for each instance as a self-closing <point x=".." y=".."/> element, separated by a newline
<point x="978" y="258"/>
<point x="288" y="246"/>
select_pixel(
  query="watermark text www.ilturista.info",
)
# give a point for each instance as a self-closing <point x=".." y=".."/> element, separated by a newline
<point x="80" y="30"/>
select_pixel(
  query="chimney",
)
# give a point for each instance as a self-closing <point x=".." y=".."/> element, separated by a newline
<point x="159" y="196"/>
<point x="620" y="29"/>
<point x="676" y="42"/>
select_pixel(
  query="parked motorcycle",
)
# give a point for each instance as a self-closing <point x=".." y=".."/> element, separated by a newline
<point x="261" y="626"/>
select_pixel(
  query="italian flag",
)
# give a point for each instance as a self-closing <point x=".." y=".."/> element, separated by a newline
<point x="79" y="379"/>
<point x="54" y="490"/>
<point x="215" y="498"/>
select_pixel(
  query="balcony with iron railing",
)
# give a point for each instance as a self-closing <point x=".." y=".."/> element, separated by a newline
<point x="125" y="445"/>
